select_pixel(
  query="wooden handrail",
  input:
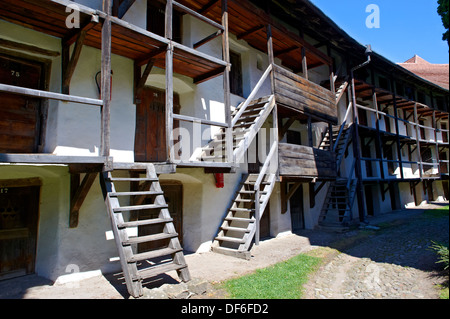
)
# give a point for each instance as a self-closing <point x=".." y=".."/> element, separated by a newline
<point x="48" y="95"/>
<point x="342" y="128"/>
<point x="252" y="95"/>
<point x="198" y="15"/>
<point x="273" y="150"/>
<point x="191" y="119"/>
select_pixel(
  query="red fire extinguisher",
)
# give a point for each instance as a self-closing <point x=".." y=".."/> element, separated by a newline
<point x="219" y="180"/>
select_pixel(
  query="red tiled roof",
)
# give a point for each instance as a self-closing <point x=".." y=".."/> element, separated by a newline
<point x="436" y="73"/>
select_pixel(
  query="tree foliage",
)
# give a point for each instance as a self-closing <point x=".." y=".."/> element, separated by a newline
<point x="443" y="12"/>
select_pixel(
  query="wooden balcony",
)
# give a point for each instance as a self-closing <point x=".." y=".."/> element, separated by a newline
<point x="298" y="94"/>
<point x="298" y="161"/>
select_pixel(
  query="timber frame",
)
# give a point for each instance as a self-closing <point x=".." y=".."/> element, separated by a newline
<point x="297" y="97"/>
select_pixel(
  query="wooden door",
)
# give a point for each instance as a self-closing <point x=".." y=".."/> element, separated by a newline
<point x="19" y="215"/>
<point x="19" y="115"/>
<point x="150" y="138"/>
<point x="173" y="194"/>
<point x="296" y="209"/>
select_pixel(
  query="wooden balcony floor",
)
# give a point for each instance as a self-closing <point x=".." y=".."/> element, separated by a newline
<point x="49" y="17"/>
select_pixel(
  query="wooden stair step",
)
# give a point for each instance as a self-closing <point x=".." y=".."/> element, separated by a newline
<point x="157" y="270"/>
<point x="240" y="219"/>
<point x="145" y="222"/>
<point x="139" y="207"/>
<point x="135" y="193"/>
<point x="148" y="238"/>
<point x="252" y="192"/>
<point x="153" y="254"/>
<point x="245" y="210"/>
<point x="236" y="229"/>
<point x="231" y="239"/>
<point x="133" y="179"/>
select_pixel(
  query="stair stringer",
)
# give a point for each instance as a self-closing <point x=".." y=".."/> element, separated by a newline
<point x="244" y="144"/>
<point x="264" y="200"/>
<point x="129" y="259"/>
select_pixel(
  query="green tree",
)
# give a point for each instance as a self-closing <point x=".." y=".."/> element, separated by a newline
<point x="443" y="12"/>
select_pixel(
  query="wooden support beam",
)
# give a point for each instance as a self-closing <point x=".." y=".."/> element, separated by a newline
<point x="87" y="26"/>
<point x="70" y="61"/>
<point x="209" y="75"/>
<point x="304" y="64"/>
<point x="286" y="127"/>
<point x="26" y="47"/>
<point x="208" y="39"/>
<point x="285" y="51"/>
<point x="120" y="9"/>
<point x="78" y="195"/>
<point x="140" y="79"/>
<point x="250" y="32"/>
<point x="48" y="95"/>
<point x="169" y="82"/>
<point x="226" y="83"/>
<point x="106" y="80"/>
<point x="208" y="7"/>
<point x="149" y="57"/>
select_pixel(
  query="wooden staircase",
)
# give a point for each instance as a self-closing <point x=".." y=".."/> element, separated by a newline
<point x="341" y="139"/>
<point x="240" y="225"/>
<point x="154" y="247"/>
<point x="337" y="208"/>
<point x="247" y="126"/>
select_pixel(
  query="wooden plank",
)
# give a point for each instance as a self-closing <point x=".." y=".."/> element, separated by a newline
<point x="49" y="95"/>
<point x="22" y="182"/>
<point x="26" y="47"/>
<point x="78" y="198"/>
<point x="197" y="15"/>
<point x="106" y="81"/>
<point x="69" y="68"/>
<point x="207" y="39"/>
<point x="250" y="32"/>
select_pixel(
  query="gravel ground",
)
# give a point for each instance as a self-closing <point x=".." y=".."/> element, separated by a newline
<point x="394" y="262"/>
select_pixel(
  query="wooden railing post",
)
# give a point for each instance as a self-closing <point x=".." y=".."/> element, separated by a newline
<point x="106" y="80"/>
<point x="169" y="83"/>
<point x="226" y="84"/>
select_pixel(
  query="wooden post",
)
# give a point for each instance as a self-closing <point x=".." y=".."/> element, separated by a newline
<point x="330" y="130"/>
<point x="397" y="131"/>
<point x="331" y="70"/>
<point x="435" y="141"/>
<point x="310" y="134"/>
<point x="357" y="155"/>
<point x="226" y="84"/>
<point x="271" y="56"/>
<point x="378" y="144"/>
<point x="257" y="216"/>
<point x="106" y="80"/>
<point x="169" y="83"/>
<point x="304" y="64"/>
<point x="416" y="121"/>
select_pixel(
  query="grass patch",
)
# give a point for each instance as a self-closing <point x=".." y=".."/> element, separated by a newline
<point x="443" y="293"/>
<point x="284" y="280"/>
<point x="437" y="213"/>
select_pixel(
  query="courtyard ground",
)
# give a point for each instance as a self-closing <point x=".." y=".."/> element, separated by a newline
<point x="393" y="261"/>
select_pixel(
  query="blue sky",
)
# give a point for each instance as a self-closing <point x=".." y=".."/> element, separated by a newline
<point x="407" y="27"/>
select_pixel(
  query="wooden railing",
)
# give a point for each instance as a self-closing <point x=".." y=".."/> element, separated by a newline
<point x="300" y="94"/>
<point x="304" y="161"/>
